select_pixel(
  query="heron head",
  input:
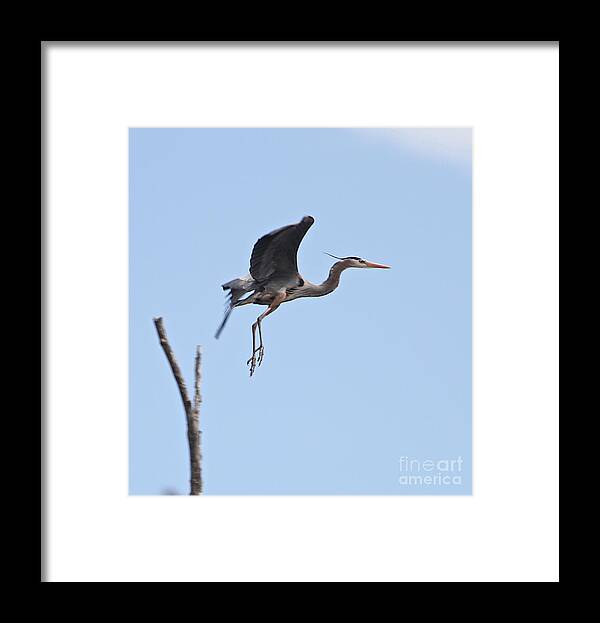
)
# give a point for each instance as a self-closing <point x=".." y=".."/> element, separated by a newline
<point x="359" y="262"/>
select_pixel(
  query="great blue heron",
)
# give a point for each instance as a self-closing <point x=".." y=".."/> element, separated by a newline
<point x="274" y="278"/>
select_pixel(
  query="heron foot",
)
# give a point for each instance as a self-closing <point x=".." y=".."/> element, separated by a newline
<point x="252" y="363"/>
<point x="254" y="360"/>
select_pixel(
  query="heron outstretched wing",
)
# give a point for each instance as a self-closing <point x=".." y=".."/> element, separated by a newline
<point x="276" y="252"/>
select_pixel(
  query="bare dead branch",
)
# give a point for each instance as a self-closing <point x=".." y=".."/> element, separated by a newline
<point x="192" y="412"/>
<point x="197" y="440"/>
<point x="197" y="378"/>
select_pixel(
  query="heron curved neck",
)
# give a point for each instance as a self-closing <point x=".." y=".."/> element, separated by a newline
<point x="332" y="281"/>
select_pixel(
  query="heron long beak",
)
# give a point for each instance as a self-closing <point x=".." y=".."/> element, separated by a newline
<point x="373" y="265"/>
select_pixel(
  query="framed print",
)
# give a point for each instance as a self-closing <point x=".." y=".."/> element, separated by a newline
<point x="372" y="232"/>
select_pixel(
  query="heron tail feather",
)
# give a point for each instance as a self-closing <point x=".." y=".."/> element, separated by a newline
<point x="235" y="289"/>
<point x="222" y="325"/>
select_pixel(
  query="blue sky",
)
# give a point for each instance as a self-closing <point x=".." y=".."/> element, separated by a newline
<point x="352" y="382"/>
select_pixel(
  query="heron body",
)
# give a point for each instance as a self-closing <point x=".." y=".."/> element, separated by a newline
<point x="274" y="278"/>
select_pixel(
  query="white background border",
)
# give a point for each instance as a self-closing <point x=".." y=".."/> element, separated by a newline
<point x="507" y="531"/>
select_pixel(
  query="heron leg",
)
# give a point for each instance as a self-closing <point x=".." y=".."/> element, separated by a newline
<point x="261" y="348"/>
<point x="254" y="361"/>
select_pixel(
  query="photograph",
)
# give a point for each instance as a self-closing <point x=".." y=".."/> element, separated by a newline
<point x="341" y="362"/>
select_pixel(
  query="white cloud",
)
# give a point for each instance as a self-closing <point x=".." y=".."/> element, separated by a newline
<point x="448" y="144"/>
